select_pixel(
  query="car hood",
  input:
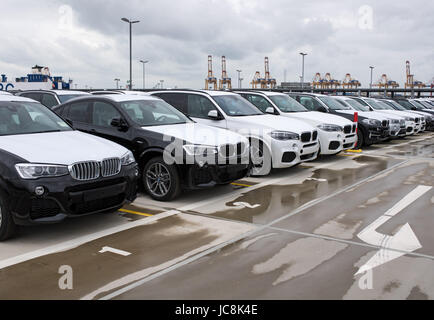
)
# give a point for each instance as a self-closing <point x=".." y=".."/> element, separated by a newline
<point x="319" y="118"/>
<point x="393" y="114"/>
<point x="366" y="114"/>
<point x="268" y="123"/>
<point x="196" y="133"/>
<point x="64" y="148"/>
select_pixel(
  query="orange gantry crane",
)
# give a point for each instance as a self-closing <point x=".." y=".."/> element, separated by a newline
<point x="210" y="81"/>
<point x="330" y="82"/>
<point x="349" y="82"/>
<point x="225" y="82"/>
<point x="385" y="83"/>
<point x="268" y="82"/>
<point x="317" y="81"/>
<point x="410" y="82"/>
<point x="256" y="81"/>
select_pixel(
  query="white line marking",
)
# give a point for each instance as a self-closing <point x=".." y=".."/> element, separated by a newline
<point x="116" y="251"/>
<point x="246" y="205"/>
<point x="404" y="240"/>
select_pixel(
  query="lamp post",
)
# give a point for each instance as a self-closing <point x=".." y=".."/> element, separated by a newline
<point x="239" y="78"/>
<point x="117" y="82"/>
<point x="372" y="68"/>
<point x="161" y="83"/>
<point x="302" y="69"/>
<point x="144" y="62"/>
<point x="131" y="48"/>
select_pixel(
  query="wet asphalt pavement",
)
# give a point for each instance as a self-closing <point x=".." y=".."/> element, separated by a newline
<point x="301" y="233"/>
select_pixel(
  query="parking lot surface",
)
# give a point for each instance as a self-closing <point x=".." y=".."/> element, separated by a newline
<point x="352" y="226"/>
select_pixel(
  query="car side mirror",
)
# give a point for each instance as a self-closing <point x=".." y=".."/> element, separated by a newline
<point x="119" y="123"/>
<point x="270" y="110"/>
<point x="322" y="109"/>
<point x="213" y="114"/>
<point x="413" y="108"/>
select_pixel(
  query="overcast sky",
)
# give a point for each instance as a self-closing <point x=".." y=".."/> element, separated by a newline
<point x="86" y="40"/>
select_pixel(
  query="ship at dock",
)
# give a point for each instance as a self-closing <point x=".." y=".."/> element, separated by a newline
<point x="39" y="79"/>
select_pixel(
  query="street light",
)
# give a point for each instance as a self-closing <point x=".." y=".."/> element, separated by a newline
<point x="131" y="48"/>
<point x="239" y="78"/>
<point x="302" y="69"/>
<point x="144" y="63"/>
<point x="161" y="81"/>
<point x="117" y="82"/>
<point x="372" y="68"/>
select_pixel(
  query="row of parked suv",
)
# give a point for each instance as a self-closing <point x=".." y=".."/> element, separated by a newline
<point x="82" y="153"/>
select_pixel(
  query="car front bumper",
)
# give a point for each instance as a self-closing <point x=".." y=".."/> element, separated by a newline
<point x="65" y="197"/>
<point x="286" y="154"/>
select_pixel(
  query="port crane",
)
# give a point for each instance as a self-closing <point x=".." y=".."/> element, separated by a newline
<point x="317" y="81"/>
<point x="330" y="82"/>
<point x="349" y="82"/>
<point x="225" y="82"/>
<point x="384" y="82"/>
<point x="411" y="83"/>
<point x="256" y="81"/>
<point x="268" y="82"/>
<point x="210" y="81"/>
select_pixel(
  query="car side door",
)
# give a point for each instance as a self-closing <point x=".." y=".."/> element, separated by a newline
<point x="311" y="103"/>
<point x="259" y="102"/>
<point x="199" y="107"/>
<point x="109" y="123"/>
<point x="77" y="115"/>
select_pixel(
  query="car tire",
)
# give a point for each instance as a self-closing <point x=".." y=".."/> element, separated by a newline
<point x="258" y="149"/>
<point x="360" y="139"/>
<point x="161" y="180"/>
<point x="7" y="224"/>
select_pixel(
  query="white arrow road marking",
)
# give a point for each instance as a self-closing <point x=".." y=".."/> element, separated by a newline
<point x="246" y="205"/>
<point x="404" y="240"/>
<point x="113" y="250"/>
<point x="316" y="179"/>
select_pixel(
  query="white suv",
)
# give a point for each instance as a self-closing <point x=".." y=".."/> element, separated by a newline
<point x="330" y="127"/>
<point x="276" y="142"/>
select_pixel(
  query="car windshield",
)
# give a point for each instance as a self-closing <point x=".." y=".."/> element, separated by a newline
<point x="65" y="97"/>
<point x="287" y="104"/>
<point x="356" y="105"/>
<point x="395" y="105"/>
<point x="407" y="105"/>
<point x="29" y="117"/>
<point x="426" y="104"/>
<point x="153" y="113"/>
<point x="418" y="105"/>
<point x="333" y="104"/>
<point x="236" y="106"/>
<point x="384" y="105"/>
<point x="377" y="106"/>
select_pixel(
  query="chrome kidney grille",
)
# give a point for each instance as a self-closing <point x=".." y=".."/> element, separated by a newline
<point x="110" y="167"/>
<point x="91" y="170"/>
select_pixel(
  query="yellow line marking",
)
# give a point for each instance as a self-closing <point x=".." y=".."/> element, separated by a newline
<point x="240" y="185"/>
<point x="135" y="212"/>
<point x="355" y="151"/>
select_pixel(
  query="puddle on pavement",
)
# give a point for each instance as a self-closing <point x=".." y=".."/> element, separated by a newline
<point x="420" y="149"/>
<point x="268" y="203"/>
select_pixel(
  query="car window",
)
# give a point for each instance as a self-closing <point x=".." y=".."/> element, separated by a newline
<point x="66" y="97"/>
<point x="363" y="103"/>
<point x="357" y="105"/>
<point x="236" y="106"/>
<point x="32" y="95"/>
<point x="199" y="106"/>
<point x="333" y="104"/>
<point x="29" y="117"/>
<point x="49" y="100"/>
<point x="260" y="102"/>
<point x="177" y="100"/>
<point x="79" y="112"/>
<point x="287" y="104"/>
<point x="309" y="103"/>
<point x="103" y="114"/>
<point x="153" y="113"/>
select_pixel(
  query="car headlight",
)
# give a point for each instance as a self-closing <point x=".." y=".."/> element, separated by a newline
<point x="330" y="127"/>
<point x="128" y="159"/>
<point x="284" y="135"/>
<point x="199" y="150"/>
<point x="35" y="171"/>
<point x="372" y="122"/>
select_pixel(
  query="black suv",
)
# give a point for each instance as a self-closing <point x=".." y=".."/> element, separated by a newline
<point x="51" y="98"/>
<point x="172" y="150"/>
